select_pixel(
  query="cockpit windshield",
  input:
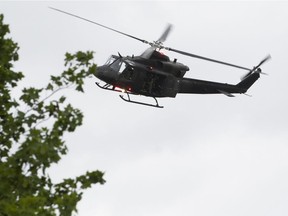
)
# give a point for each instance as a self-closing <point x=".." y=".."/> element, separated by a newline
<point x="111" y="60"/>
<point x="116" y="64"/>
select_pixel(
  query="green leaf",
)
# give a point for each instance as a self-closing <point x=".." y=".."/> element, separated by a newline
<point x="32" y="139"/>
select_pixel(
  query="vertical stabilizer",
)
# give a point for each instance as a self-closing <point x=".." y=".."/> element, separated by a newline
<point x="246" y="83"/>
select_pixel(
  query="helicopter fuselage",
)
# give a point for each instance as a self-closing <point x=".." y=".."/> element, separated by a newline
<point x="154" y="77"/>
<point x="160" y="77"/>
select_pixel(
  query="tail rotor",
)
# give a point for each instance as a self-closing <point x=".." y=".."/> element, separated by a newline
<point x="257" y="68"/>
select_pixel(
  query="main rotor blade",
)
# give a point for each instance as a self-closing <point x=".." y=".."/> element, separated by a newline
<point x="207" y="59"/>
<point x="158" y="43"/>
<point x="165" y="33"/>
<point x="148" y="52"/>
<point x="70" y="14"/>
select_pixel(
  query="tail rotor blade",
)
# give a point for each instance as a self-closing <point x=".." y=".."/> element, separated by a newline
<point x="257" y="69"/>
<point x="268" y="57"/>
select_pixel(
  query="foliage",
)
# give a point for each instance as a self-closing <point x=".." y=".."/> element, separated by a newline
<point x="31" y="139"/>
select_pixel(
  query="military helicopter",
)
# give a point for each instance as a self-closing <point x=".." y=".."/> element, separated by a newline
<point x="154" y="75"/>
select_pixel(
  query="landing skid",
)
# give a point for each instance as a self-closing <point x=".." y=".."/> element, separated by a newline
<point x="128" y="99"/>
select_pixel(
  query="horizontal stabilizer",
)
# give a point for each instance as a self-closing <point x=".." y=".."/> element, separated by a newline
<point x="226" y="93"/>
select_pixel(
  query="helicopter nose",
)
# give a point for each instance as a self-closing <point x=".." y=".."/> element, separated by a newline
<point x="97" y="72"/>
<point x="105" y="74"/>
<point x="100" y="73"/>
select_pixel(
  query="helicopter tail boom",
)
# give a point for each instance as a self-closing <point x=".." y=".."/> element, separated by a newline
<point x="188" y="85"/>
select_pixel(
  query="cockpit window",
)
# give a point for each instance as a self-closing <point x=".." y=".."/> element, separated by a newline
<point x="110" y="60"/>
<point x="116" y="64"/>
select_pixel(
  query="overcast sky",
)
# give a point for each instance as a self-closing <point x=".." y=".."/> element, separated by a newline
<point x="202" y="154"/>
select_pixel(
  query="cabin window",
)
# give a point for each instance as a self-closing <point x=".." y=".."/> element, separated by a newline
<point x="122" y="67"/>
<point x="116" y="65"/>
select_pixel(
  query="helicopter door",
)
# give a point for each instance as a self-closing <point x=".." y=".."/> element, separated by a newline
<point x="128" y="72"/>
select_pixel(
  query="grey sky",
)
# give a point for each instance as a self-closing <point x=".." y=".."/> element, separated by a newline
<point x="200" y="155"/>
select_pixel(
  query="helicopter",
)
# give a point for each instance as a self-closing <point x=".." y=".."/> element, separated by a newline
<point x="154" y="75"/>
